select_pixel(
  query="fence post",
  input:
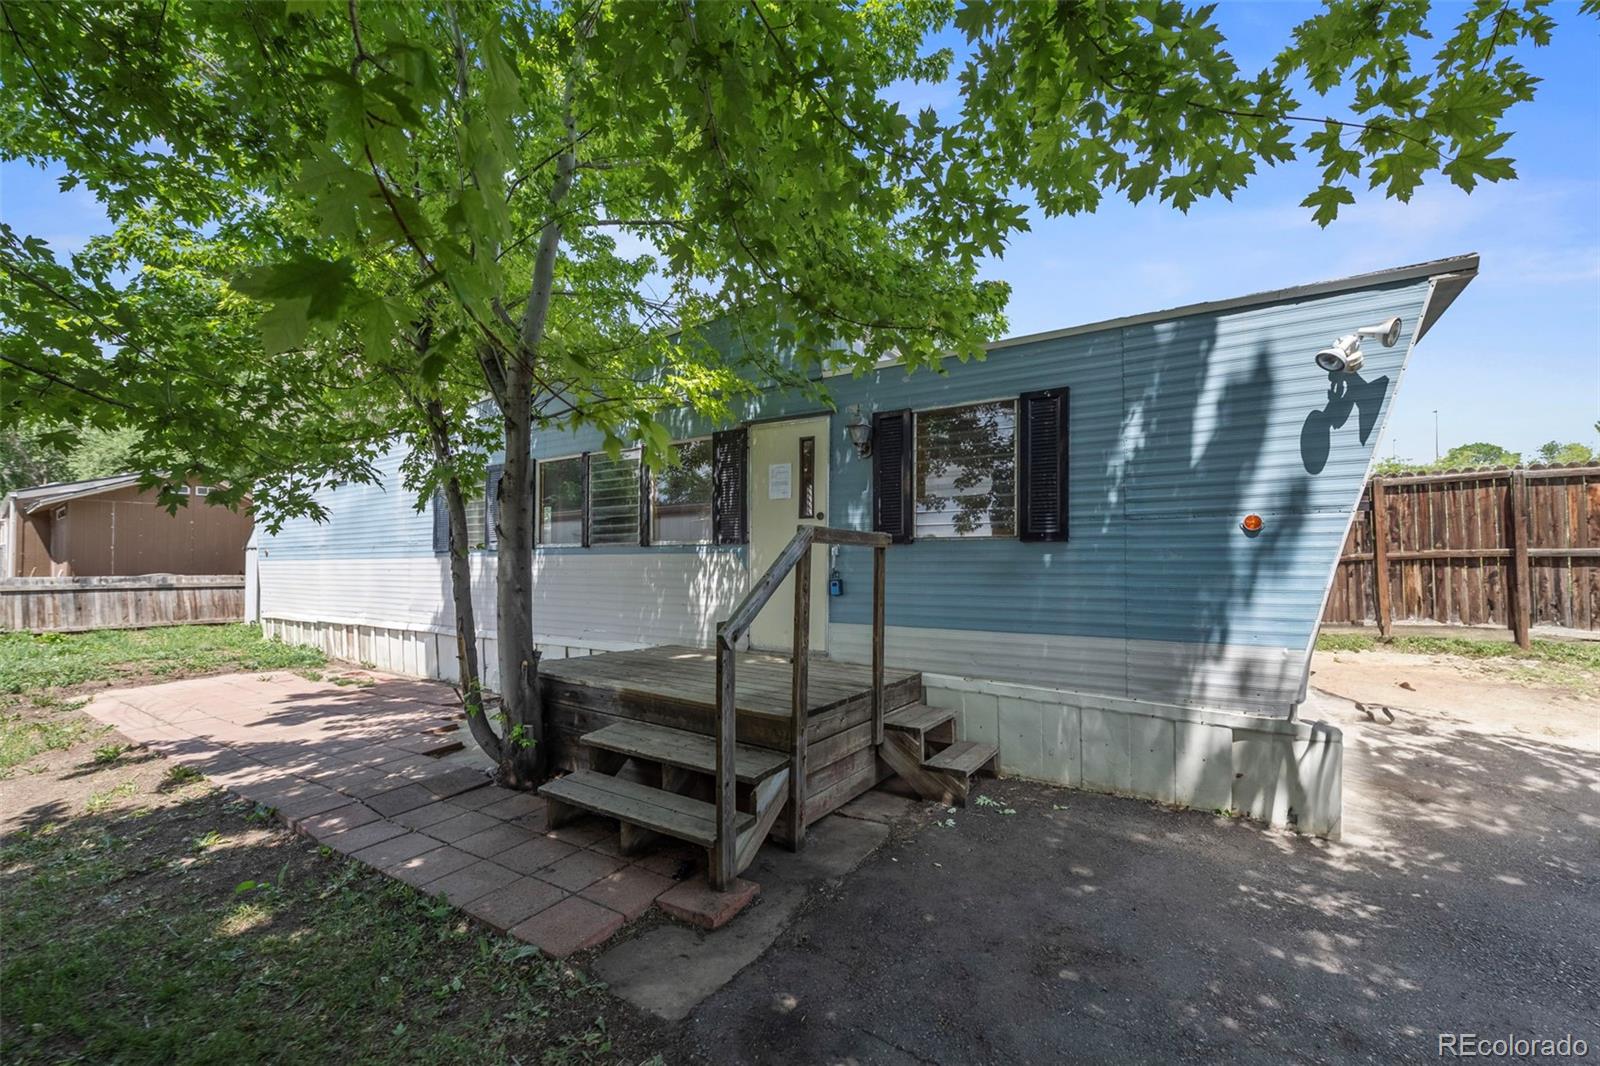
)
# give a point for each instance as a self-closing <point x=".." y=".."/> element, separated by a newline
<point x="1380" y="558"/>
<point x="1522" y="605"/>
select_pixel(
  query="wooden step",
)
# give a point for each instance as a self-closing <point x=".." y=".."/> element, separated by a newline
<point x="649" y="808"/>
<point x="965" y="757"/>
<point x="690" y="751"/>
<point x="918" y="718"/>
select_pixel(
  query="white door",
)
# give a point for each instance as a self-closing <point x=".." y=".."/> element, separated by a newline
<point x="788" y="489"/>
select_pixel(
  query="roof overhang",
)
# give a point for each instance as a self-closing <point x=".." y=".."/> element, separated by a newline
<point x="1449" y="276"/>
<point x="47" y="496"/>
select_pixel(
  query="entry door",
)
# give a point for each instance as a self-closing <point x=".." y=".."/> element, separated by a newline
<point x="788" y="488"/>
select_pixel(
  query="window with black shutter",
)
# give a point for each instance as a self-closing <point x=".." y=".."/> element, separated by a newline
<point x="491" y="507"/>
<point x="892" y="505"/>
<point x="729" y="450"/>
<point x="441" y="524"/>
<point x="1042" y="434"/>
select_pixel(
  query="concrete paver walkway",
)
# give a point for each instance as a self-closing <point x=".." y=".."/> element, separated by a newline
<point x="382" y="769"/>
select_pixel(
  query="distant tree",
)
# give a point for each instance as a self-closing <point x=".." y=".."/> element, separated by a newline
<point x="1392" y="467"/>
<point x="1556" y="452"/>
<point x="1479" y="453"/>
<point x="104" y="452"/>
<point x="30" y="455"/>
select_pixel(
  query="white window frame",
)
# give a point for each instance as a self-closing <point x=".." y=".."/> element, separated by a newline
<point x="1016" y="466"/>
<point x="711" y="535"/>
<point x="538" y="502"/>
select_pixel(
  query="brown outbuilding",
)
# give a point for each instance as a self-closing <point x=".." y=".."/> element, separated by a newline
<point x="111" y="527"/>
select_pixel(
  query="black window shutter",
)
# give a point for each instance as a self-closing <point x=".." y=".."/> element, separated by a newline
<point x="441" y="524"/>
<point x="491" y="507"/>
<point x="1042" y="449"/>
<point x="533" y="490"/>
<point x="646" y="486"/>
<point x="893" y="509"/>
<point x="584" y="538"/>
<point x="728" y="453"/>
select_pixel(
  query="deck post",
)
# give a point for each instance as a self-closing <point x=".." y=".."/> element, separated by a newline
<point x="879" y="565"/>
<point x="799" y="702"/>
<point x="723" y="854"/>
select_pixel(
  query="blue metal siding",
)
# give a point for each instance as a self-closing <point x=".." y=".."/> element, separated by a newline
<point x="378" y="521"/>
<point x="1176" y="430"/>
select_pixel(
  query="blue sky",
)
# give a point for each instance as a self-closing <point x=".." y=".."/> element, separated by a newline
<point x="1515" y="361"/>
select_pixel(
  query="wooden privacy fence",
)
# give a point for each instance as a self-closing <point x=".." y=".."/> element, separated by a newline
<point x="73" y="604"/>
<point x="1516" y="548"/>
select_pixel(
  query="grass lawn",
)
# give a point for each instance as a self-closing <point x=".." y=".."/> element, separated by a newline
<point x="1579" y="653"/>
<point x="150" y="918"/>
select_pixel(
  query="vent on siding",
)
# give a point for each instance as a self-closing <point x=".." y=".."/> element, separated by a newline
<point x="893" y="509"/>
<point x="1042" y="432"/>
<point x="728" y="451"/>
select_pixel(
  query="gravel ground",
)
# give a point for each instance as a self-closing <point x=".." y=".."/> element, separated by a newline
<point x="1063" y="926"/>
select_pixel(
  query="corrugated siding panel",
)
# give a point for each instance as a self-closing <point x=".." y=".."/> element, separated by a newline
<point x="364" y="522"/>
<point x="658" y="598"/>
<point x="1177" y="430"/>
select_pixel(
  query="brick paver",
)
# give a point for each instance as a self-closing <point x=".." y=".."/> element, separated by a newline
<point x="699" y="904"/>
<point x="418" y="870"/>
<point x="536" y="854"/>
<point x="628" y="891"/>
<point x="580" y="870"/>
<point x="499" y="838"/>
<point x="571" y="925"/>
<point x="355" y="769"/>
<point x="462" y="826"/>
<point x="515" y="903"/>
<point x="386" y="853"/>
<point x="399" y="800"/>
<point x="470" y="882"/>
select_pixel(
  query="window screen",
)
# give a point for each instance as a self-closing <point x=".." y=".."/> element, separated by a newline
<point x="966" y="471"/>
<point x="614" y="500"/>
<point x="682" y="507"/>
<point x="477" y="510"/>
<point x="561" y="502"/>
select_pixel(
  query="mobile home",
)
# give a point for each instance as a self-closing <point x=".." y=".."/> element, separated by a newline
<point x="1109" y="544"/>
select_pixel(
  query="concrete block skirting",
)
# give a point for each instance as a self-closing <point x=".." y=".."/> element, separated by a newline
<point x="1282" y="772"/>
<point x="1277" y="771"/>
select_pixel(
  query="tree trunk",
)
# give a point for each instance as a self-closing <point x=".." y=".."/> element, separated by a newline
<point x="522" y="755"/>
<point x="467" y="625"/>
<point x="468" y="669"/>
<point x="523" y="760"/>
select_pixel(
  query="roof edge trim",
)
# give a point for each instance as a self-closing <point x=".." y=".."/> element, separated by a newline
<point x="1464" y="266"/>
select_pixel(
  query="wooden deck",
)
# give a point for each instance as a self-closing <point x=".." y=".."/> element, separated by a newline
<point x="675" y="686"/>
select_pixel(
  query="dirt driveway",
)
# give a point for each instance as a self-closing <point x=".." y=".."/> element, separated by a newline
<point x="1061" y="926"/>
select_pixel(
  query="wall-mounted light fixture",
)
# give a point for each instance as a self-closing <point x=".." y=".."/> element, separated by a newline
<point x="1344" y="355"/>
<point x="860" y="430"/>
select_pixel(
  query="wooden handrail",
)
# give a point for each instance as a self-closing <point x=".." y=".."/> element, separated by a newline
<point x="796" y="557"/>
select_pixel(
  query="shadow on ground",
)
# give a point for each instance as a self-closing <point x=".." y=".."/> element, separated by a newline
<point x="1466" y="897"/>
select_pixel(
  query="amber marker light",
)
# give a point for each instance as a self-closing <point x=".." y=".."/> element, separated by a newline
<point x="1251" y="523"/>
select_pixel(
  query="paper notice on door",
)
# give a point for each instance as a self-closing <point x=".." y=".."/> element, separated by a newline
<point x="780" y="476"/>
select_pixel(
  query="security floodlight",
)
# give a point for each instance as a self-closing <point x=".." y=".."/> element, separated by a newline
<point x="1387" y="332"/>
<point x="1343" y="356"/>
